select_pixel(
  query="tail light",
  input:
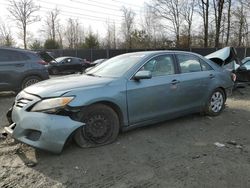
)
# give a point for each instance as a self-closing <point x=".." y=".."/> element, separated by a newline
<point x="42" y="62"/>
<point x="233" y="77"/>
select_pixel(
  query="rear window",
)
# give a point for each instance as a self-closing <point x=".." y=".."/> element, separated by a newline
<point x="189" y="63"/>
<point x="10" y="55"/>
<point x="205" y="66"/>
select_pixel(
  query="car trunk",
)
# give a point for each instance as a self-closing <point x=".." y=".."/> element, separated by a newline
<point x="46" y="56"/>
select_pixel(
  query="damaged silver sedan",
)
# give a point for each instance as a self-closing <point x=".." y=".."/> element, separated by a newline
<point x="124" y="92"/>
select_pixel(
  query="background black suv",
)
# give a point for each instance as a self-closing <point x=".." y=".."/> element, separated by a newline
<point x="20" y="68"/>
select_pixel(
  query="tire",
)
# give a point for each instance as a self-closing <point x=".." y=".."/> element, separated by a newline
<point x="28" y="81"/>
<point x="83" y="68"/>
<point x="54" y="71"/>
<point x="102" y="126"/>
<point x="215" y="103"/>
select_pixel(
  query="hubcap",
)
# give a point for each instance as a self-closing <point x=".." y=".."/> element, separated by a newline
<point x="216" y="102"/>
<point x="98" y="128"/>
<point x="54" y="71"/>
<point x="30" y="82"/>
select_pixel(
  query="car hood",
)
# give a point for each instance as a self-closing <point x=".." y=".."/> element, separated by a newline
<point x="224" y="56"/>
<point x="58" y="86"/>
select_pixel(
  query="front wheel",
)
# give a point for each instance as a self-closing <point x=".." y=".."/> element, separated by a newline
<point x="30" y="81"/>
<point x="216" y="102"/>
<point x="102" y="126"/>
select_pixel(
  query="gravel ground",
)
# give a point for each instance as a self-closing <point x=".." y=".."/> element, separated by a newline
<point x="176" y="153"/>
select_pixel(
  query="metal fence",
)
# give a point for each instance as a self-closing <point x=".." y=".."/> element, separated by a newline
<point x="93" y="54"/>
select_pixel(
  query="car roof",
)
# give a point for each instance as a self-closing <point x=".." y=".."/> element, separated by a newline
<point x="158" y="52"/>
<point x="16" y="49"/>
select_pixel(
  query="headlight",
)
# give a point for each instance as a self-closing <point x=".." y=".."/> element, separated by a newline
<point x="51" y="105"/>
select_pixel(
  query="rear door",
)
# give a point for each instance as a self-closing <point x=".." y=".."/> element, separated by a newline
<point x="65" y="65"/>
<point x="195" y="80"/>
<point x="76" y="64"/>
<point x="12" y="67"/>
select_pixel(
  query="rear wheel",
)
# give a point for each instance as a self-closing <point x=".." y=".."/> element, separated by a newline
<point x="83" y="68"/>
<point x="102" y="126"/>
<point x="28" y="81"/>
<point x="54" y="71"/>
<point x="216" y="102"/>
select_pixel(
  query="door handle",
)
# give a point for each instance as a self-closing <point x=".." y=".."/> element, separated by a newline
<point x="211" y="76"/>
<point x="175" y="82"/>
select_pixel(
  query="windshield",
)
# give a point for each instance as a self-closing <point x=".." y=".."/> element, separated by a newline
<point x="117" y="66"/>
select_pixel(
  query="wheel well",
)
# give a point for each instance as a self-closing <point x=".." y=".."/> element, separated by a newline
<point x="27" y="76"/>
<point x="224" y="91"/>
<point x="115" y="107"/>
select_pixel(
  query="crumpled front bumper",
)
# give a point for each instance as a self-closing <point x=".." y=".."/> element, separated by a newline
<point x="41" y="130"/>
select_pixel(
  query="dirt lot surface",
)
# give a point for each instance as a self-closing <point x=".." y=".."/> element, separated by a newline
<point x="176" y="153"/>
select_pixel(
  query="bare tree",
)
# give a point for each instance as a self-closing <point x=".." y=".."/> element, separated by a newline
<point x="229" y="2"/>
<point x="74" y="33"/>
<point x="128" y="25"/>
<point x="188" y="12"/>
<point x="114" y="36"/>
<point x="6" y="38"/>
<point x="150" y="24"/>
<point x="60" y="32"/>
<point x="218" y="12"/>
<point x="170" y="10"/>
<point x="22" y="12"/>
<point x="110" y="39"/>
<point x="240" y="21"/>
<point x="204" y="4"/>
<point x="52" y="22"/>
<point x="246" y="32"/>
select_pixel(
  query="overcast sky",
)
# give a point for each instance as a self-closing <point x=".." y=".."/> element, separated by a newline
<point x="92" y="13"/>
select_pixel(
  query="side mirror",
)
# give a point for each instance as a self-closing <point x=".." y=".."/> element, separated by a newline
<point x="143" y="75"/>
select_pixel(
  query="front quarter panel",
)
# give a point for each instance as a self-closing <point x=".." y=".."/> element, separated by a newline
<point x="114" y="92"/>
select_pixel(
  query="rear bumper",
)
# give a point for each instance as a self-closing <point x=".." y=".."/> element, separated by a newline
<point x="40" y="130"/>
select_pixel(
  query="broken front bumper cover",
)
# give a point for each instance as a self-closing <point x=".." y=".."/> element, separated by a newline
<point x="40" y="130"/>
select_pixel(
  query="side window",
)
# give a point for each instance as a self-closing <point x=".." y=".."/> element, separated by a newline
<point x="68" y="60"/>
<point x="78" y="61"/>
<point x="188" y="63"/>
<point x="205" y="66"/>
<point x="10" y="55"/>
<point x="160" y="66"/>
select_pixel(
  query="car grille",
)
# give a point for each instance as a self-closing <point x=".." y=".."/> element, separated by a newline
<point x="22" y="102"/>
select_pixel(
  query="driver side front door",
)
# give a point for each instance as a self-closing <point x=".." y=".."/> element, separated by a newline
<point x="149" y="99"/>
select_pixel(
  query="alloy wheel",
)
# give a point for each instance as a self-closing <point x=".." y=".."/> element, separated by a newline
<point x="216" y="102"/>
